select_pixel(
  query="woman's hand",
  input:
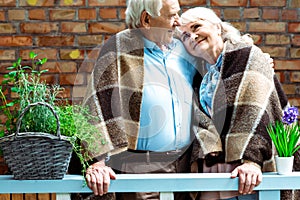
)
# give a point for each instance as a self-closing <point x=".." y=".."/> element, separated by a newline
<point x="249" y="174"/>
<point x="98" y="177"/>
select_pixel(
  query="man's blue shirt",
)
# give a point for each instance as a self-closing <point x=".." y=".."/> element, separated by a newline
<point x="165" y="122"/>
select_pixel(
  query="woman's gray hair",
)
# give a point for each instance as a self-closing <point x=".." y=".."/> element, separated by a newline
<point x="136" y="7"/>
<point x="228" y="31"/>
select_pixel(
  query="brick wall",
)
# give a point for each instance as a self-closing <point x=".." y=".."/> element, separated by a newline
<point x="67" y="32"/>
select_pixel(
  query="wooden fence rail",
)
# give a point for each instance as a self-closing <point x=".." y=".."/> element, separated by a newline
<point x="269" y="189"/>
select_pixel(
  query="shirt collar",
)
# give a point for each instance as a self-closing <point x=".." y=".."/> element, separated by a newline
<point x="151" y="45"/>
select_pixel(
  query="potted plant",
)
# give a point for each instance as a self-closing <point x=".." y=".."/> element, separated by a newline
<point x="285" y="135"/>
<point x="55" y="116"/>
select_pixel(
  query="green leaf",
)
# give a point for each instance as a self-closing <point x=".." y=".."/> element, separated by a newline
<point x="43" y="61"/>
<point x="15" y="89"/>
<point x="44" y="71"/>
<point x="2" y="133"/>
<point x="11" y="68"/>
<point x="12" y="74"/>
<point x="10" y="104"/>
<point x="6" y="81"/>
<point x="18" y="62"/>
<point x="32" y="55"/>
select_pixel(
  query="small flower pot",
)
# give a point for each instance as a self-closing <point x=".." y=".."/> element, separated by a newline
<point x="284" y="165"/>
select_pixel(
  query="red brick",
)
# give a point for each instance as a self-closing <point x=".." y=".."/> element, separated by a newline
<point x="270" y="13"/>
<point x="88" y="40"/>
<point x="73" y="27"/>
<point x="296" y="40"/>
<point x="55" y="41"/>
<point x="37" y="14"/>
<point x="232" y="13"/>
<point x="8" y="3"/>
<point x="7" y="55"/>
<point x="62" y="14"/>
<point x="275" y="51"/>
<point x="41" y="28"/>
<point x="242" y="3"/>
<point x="7" y="28"/>
<point x="107" y="3"/>
<point x="295" y="52"/>
<point x="277" y="39"/>
<point x="71" y="79"/>
<point x="267" y="27"/>
<point x="85" y="14"/>
<point x="15" y="41"/>
<point x="294" y="101"/>
<point x="2" y="16"/>
<point x="192" y="2"/>
<point x="16" y="14"/>
<point x="60" y="67"/>
<point x="295" y="4"/>
<point x="251" y="13"/>
<point x="122" y="13"/>
<point x="72" y="2"/>
<point x="289" y="88"/>
<point x="49" y="78"/>
<point x="295" y="77"/>
<point x="294" y="27"/>
<point x="273" y="3"/>
<point x="108" y="13"/>
<point x="41" y="53"/>
<point x="106" y="27"/>
<point x="287" y="64"/>
<point x="241" y="26"/>
<point x="36" y="2"/>
<point x="289" y="14"/>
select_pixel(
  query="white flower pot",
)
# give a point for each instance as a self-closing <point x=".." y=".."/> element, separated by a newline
<point x="284" y="165"/>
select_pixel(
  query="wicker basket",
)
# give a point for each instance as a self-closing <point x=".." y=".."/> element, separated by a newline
<point x="37" y="155"/>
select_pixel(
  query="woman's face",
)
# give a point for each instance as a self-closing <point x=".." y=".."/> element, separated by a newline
<point x="202" y="38"/>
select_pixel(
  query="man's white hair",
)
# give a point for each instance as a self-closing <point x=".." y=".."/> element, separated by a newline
<point x="136" y="7"/>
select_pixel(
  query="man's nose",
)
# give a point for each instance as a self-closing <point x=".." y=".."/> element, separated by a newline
<point x="177" y="20"/>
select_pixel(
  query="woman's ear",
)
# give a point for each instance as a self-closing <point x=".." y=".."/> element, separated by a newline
<point x="145" y="20"/>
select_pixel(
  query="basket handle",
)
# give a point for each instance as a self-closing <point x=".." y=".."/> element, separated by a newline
<point x="35" y="104"/>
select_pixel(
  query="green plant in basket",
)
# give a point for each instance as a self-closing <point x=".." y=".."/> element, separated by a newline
<point x="285" y="134"/>
<point x="26" y="83"/>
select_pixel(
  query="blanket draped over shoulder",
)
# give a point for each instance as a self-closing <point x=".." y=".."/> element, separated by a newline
<point x="114" y="95"/>
<point x="248" y="97"/>
<point x="114" y="92"/>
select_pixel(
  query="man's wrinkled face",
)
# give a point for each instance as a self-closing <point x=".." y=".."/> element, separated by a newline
<point x="163" y="26"/>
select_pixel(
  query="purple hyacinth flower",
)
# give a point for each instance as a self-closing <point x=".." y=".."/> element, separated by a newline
<point x="290" y="115"/>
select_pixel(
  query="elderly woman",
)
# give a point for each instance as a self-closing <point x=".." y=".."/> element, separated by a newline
<point x="240" y="93"/>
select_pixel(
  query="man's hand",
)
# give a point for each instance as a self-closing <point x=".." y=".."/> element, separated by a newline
<point x="98" y="177"/>
<point x="249" y="174"/>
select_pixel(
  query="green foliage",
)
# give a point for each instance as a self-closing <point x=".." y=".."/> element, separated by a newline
<point x="285" y="138"/>
<point x="25" y="82"/>
<point x="75" y="120"/>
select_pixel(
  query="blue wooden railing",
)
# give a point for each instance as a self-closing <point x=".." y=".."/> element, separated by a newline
<point x="164" y="183"/>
